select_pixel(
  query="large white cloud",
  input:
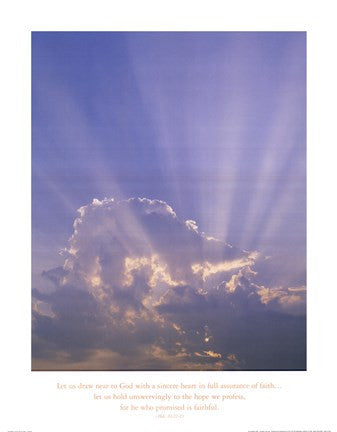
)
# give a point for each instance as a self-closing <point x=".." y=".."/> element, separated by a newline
<point x="141" y="289"/>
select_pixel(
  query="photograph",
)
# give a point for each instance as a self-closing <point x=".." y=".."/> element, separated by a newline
<point x="169" y="190"/>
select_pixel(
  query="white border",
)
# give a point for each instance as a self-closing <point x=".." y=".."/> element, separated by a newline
<point x="31" y="401"/>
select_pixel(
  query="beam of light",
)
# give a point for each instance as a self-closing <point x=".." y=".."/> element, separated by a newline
<point x="171" y="149"/>
<point x="277" y="159"/>
<point x="82" y="139"/>
<point x="276" y="218"/>
<point x="279" y="148"/>
<point x="55" y="189"/>
<point x="217" y="211"/>
<point x="154" y="95"/>
<point x="210" y="150"/>
<point x="223" y="148"/>
<point x="228" y="169"/>
<point x="277" y="206"/>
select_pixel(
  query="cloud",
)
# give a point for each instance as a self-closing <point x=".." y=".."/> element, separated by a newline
<point x="141" y="289"/>
<point x="291" y="300"/>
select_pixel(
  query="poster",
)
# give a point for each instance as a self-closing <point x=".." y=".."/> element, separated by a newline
<point x="168" y="233"/>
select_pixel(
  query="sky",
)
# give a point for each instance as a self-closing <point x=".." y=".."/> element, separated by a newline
<point x="169" y="200"/>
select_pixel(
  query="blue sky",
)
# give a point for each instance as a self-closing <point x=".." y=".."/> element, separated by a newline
<point x="213" y="124"/>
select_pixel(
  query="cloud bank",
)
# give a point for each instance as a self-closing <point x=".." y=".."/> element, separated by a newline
<point x="141" y="289"/>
